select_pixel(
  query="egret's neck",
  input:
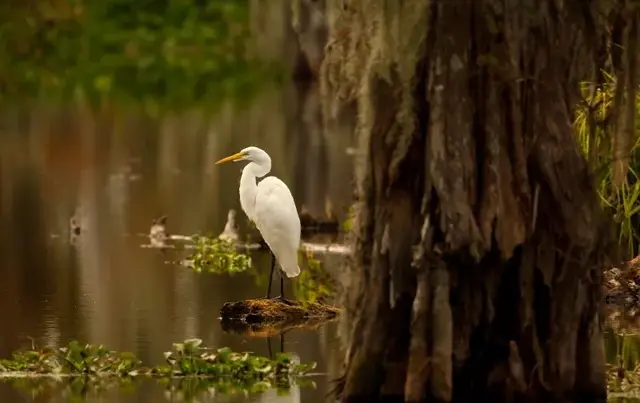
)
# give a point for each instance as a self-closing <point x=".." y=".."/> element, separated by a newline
<point x="249" y="187"/>
<point x="261" y="168"/>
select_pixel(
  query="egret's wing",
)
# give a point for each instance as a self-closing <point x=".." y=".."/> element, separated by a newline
<point x="277" y="219"/>
<point x="276" y="213"/>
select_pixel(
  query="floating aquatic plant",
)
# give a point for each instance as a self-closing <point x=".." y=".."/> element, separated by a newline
<point x="217" y="256"/>
<point x="190" y="358"/>
<point x="231" y="371"/>
<point x="74" y="359"/>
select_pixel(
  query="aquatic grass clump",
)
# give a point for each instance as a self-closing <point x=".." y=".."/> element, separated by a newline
<point x="594" y="125"/>
<point x="222" y="368"/>
<point x="216" y="255"/>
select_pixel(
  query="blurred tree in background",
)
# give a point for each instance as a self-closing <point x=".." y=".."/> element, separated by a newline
<point x="168" y="53"/>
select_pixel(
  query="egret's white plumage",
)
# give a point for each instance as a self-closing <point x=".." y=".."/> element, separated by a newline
<point x="277" y="220"/>
<point x="270" y="205"/>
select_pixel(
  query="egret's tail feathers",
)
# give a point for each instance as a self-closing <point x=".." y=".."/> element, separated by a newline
<point x="291" y="271"/>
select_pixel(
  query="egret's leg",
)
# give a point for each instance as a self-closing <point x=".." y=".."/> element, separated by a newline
<point x="282" y="342"/>
<point x="281" y="285"/>
<point x="269" y="347"/>
<point x="273" y="265"/>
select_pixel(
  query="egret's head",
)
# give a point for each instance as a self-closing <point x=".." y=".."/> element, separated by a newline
<point x="253" y="154"/>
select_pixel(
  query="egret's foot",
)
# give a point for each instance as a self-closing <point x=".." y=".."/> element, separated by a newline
<point x="283" y="300"/>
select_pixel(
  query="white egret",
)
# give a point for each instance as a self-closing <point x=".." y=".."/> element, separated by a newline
<point x="270" y="205"/>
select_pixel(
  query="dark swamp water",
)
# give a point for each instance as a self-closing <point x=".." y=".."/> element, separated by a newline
<point x="118" y="171"/>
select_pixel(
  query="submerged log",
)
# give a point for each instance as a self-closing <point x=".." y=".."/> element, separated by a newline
<point x="267" y="317"/>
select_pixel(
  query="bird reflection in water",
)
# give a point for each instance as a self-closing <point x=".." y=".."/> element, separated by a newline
<point x="293" y="394"/>
<point x="270" y="351"/>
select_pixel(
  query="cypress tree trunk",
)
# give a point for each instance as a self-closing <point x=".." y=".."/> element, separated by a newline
<point x="479" y="238"/>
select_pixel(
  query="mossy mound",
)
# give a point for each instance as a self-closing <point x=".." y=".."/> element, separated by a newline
<point x="267" y="317"/>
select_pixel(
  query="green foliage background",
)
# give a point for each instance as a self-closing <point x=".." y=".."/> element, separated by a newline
<point x="165" y="53"/>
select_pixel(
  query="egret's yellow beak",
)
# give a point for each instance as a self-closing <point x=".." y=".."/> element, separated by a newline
<point x="234" y="157"/>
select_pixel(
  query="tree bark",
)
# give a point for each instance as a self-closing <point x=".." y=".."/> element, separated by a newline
<point x="479" y="239"/>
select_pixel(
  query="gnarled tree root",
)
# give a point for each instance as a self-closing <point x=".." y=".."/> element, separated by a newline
<point x="268" y="317"/>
